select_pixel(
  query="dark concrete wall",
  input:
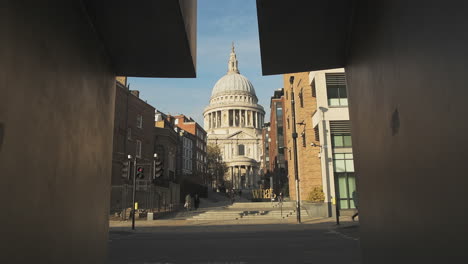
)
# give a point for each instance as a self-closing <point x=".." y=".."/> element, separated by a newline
<point x="56" y="111"/>
<point x="406" y="73"/>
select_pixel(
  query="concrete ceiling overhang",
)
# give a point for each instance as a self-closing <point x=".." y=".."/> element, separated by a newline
<point x="147" y="38"/>
<point x="302" y="35"/>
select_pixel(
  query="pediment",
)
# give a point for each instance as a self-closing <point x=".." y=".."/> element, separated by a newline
<point x="240" y="135"/>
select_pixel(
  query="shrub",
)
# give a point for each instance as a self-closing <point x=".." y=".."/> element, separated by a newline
<point x="316" y="195"/>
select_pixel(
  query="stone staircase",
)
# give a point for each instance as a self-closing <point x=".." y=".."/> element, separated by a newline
<point x="250" y="211"/>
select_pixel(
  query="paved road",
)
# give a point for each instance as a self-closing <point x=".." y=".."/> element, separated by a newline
<point x="319" y="243"/>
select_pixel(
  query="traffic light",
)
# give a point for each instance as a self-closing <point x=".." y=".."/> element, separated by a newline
<point x="140" y="174"/>
<point x="158" y="168"/>
<point x="126" y="169"/>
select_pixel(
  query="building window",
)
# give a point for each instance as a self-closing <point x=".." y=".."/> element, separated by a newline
<point x="341" y="141"/>
<point x="129" y="133"/>
<point x="345" y="179"/>
<point x="336" y="89"/>
<point x="301" y="98"/>
<point x="138" y="148"/>
<point x="241" y="149"/>
<point x="314" y="90"/>
<point x="288" y="122"/>
<point x="139" y="121"/>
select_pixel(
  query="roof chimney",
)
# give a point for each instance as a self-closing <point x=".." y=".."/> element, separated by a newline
<point x="135" y="93"/>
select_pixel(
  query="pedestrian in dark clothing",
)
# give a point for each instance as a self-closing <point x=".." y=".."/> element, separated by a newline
<point x="355" y="199"/>
<point x="196" y="201"/>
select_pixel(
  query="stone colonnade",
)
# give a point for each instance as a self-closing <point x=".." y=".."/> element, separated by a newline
<point x="243" y="176"/>
<point x="235" y="118"/>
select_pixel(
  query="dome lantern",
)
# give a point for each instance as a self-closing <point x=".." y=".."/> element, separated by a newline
<point x="233" y="82"/>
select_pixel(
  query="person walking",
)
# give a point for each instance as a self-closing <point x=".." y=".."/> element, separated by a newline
<point x="188" y="202"/>
<point x="355" y="199"/>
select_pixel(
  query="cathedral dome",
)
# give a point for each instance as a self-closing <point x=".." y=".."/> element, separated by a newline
<point x="233" y="83"/>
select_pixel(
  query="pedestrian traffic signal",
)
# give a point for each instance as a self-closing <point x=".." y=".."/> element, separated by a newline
<point x="126" y="169"/>
<point x="140" y="174"/>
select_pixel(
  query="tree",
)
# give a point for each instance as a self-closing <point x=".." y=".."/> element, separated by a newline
<point x="217" y="168"/>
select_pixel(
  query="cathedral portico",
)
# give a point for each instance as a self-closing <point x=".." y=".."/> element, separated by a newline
<point x="233" y="121"/>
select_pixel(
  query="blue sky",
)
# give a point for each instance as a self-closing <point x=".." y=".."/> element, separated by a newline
<point x="219" y="23"/>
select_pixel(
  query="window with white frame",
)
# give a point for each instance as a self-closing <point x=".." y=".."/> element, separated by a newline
<point x="336" y="89"/>
<point x="138" y="148"/>
<point x="139" y="121"/>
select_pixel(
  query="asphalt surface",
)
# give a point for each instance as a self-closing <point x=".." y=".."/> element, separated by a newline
<point x="319" y="243"/>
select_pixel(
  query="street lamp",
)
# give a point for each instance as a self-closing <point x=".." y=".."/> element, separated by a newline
<point x="294" y="136"/>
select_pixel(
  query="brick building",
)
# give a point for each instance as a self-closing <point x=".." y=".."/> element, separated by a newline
<point x="133" y="135"/>
<point x="166" y="143"/>
<point x="265" y="158"/>
<point x="277" y="165"/>
<point x="133" y="130"/>
<point x="199" y="148"/>
<point x="310" y="175"/>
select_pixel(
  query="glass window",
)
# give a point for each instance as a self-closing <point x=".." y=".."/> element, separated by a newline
<point x="139" y="121"/>
<point x="241" y="150"/>
<point x="344" y="179"/>
<point x="340" y="166"/>
<point x="341" y="141"/>
<point x="347" y="140"/>
<point x="337" y="95"/>
<point x="345" y="186"/>
<point x="138" y="148"/>
<point x="338" y="141"/>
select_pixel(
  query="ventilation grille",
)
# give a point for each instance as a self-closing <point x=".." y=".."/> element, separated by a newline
<point x="335" y="79"/>
<point x="340" y="127"/>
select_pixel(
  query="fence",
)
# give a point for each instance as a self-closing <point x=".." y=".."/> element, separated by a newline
<point x="150" y="198"/>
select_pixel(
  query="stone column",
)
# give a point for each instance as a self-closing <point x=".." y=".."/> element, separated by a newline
<point x="232" y="174"/>
<point x="245" y="118"/>
<point x="214" y="119"/>
<point x="256" y="119"/>
<point x="252" y="177"/>
<point x="251" y="118"/>
<point x="259" y="120"/>
<point x="239" y="178"/>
